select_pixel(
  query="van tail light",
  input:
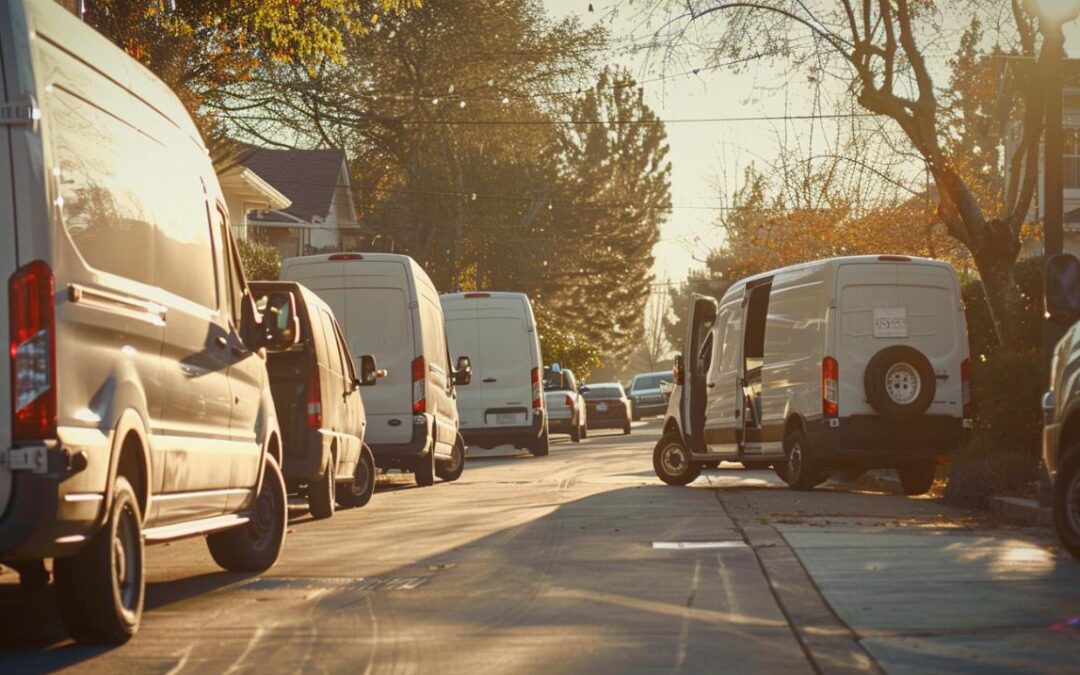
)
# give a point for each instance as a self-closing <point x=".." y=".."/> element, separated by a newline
<point x="569" y="401"/>
<point x="418" y="375"/>
<point x="830" y="387"/>
<point x="31" y="301"/>
<point x="314" y="400"/>
<point x="537" y="390"/>
<point x="965" y="388"/>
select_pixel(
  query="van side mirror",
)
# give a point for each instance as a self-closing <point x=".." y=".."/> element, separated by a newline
<point x="280" y="324"/>
<point x="1062" y="295"/>
<point x="369" y="371"/>
<point x="677" y="372"/>
<point x="463" y="373"/>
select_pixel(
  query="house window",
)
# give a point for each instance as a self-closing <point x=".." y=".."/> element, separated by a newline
<point x="1071" y="152"/>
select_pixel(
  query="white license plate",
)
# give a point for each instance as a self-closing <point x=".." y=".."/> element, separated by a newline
<point x="601" y="407"/>
<point x="34" y="459"/>
<point x="505" y="418"/>
<point x="890" y="322"/>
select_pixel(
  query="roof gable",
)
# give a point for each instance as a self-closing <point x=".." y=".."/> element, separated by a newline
<point x="309" y="178"/>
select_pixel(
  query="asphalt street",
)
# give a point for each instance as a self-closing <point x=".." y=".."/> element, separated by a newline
<point x="583" y="561"/>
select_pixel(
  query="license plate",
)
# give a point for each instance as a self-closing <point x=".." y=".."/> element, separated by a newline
<point x="890" y="322"/>
<point x="601" y="407"/>
<point x="503" y="418"/>
<point x="34" y="459"/>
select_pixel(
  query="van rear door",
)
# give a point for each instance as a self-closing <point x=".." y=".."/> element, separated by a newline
<point x="506" y="368"/>
<point x="463" y="338"/>
<point x="899" y="303"/>
<point x="8" y="264"/>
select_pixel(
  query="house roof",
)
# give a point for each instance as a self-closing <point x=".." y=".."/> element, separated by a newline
<point x="308" y="178"/>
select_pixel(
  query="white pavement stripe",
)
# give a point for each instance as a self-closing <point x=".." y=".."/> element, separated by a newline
<point x="679" y="545"/>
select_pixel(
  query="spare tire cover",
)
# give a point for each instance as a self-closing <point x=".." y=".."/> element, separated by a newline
<point x="900" y="383"/>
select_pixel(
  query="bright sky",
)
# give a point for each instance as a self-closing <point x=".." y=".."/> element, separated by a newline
<point x="703" y="154"/>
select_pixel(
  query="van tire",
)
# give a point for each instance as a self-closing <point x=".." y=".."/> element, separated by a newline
<point x="256" y="546"/>
<point x="451" y="469"/>
<point x="626" y="428"/>
<point x="424" y="469"/>
<point x="321" y="493"/>
<point x="917" y="477"/>
<point x="541" y="446"/>
<point x="1066" y="504"/>
<point x="671" y="461"/>
<point x="96" y="606"/>
<point x="362" y="486"/>
<point x="904" y="365"/>
<point x="801" y="470"/>
<point x="575" y="434"/>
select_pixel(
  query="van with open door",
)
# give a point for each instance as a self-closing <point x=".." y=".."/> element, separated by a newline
<point x="505" y="403"/>
<point x="855" y="362"/>
<point x="388" y="307"/>
<point x="134" y="401"/>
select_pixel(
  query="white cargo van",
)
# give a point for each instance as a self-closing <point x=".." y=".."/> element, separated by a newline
<point x="848" y="362"/>
<point x="505" y="404"/>
<point x="388" y="307"/>
<point x="134" y="404"/>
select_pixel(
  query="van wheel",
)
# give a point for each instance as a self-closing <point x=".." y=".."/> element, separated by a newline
<point x="917" y="477"/>
<point x="1067" y="501"/>
<point x="626" y="428"/>
<point x="541" y="446"/>
<point x="100" y="590"/>
<point x="424" y="469"/>
<point x="899" y="383"/>
<point x="363" y="483"/>
<point x="801" y="472"/>
<point x="450" y="470"/>
<point x="584" y="430"/>
<point x="671" y="461"/>
<point x="575" y="434"/>
<point x="321" y="495"/>
<point x="256" y="546"/>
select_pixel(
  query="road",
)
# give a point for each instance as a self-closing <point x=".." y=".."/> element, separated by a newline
<point x="583" y="561"/>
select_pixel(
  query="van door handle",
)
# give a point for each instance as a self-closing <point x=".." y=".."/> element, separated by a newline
<point x="711" y="385"/>
<point x="221" y="341"/>
<point x="491" y="379"/>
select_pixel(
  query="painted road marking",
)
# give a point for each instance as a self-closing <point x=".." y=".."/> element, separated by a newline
<point x="672" y="545"/>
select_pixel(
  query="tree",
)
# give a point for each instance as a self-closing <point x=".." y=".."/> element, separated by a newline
<point x="881" y="46"/>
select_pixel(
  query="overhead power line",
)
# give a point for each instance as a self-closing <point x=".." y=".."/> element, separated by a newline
<point x="698" y="120"/>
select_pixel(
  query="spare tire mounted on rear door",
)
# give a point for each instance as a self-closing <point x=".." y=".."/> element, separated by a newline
<point x="900" y="383"/>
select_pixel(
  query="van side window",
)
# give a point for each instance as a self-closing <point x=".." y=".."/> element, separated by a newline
<point x="330" y="341"/>
<point x="349" y="369"/>
<point x="729" y="335"/>
<point x="433" y="336"/>
<point x="234" y="275"/>
<point x="132" y="206"/>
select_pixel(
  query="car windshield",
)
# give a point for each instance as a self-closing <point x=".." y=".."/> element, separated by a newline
<point x="595" y="391"/>
<point x="650" y="381"/>
<point x="553" y="381"/>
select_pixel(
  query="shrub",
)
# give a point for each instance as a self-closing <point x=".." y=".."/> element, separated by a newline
<point x="983" y="341"/>
<point x="261" y="261"/>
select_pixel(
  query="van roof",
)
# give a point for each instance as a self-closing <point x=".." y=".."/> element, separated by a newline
<point x="498" y="295"/>
<point x="883" y="258"/>
<point x="361" y="256"/>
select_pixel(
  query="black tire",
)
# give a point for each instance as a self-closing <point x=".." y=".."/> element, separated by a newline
<point x="626" y="428"/>
<point x="917" y="477"/>
<point x="358" y="492"/>
<point x="671" y="461"/>
<point x="1067" y="501"/>
<point x="33" y="576"/>
<point x="256" y="546"/>
<point x="575" y="434"/>
<point x="801" y="471"/>
<point x="100" y="590"/>
<point x="899" y="383"/>
<point x="540" y="446"/>
<point x="451" y="469"/>
<point x="424" y="469"/>
<point x="322" y="493"/>
<point x="584" y="430"/>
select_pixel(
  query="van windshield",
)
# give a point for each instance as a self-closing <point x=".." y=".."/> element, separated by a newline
<point x="650" y="381"/>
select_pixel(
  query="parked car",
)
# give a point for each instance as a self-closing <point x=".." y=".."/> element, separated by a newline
<point x="856" y="362"/>
<point x="321" y="414"/>
<point x="607" y="406"/>
<point x="647" y="394"/>
<point x="1061" y="403"/>
<point x="135" y="406"/>
<point x="567" y="413"/>
<point x="388" y="307"/>
<point x="505" y="403"/>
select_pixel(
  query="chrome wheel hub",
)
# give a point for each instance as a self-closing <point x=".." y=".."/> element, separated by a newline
<point x="674" y="459"/>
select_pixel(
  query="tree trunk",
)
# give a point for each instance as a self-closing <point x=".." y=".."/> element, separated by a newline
<point x="996" y="269"/>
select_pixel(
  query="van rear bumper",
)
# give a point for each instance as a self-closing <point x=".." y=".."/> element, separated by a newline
<point x="39" y="522"/>
<point x="519" y="437"/>
<point x="871" y="441"/>
<point x="404" y="455"/>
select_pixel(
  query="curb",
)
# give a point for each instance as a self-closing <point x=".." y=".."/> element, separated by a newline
<point x="1023" y="511"/>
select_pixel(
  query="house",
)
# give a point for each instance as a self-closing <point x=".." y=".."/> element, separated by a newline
<point x="246" y="191"/>
<point x="320" y="215"/>
<point x="1016" y="69"/>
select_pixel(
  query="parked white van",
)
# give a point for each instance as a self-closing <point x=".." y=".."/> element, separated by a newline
<point x="505" y="403"/>
<point x="134" y="404"/>
<point x="848" y="362"/>
<point x="388" y="307"/>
